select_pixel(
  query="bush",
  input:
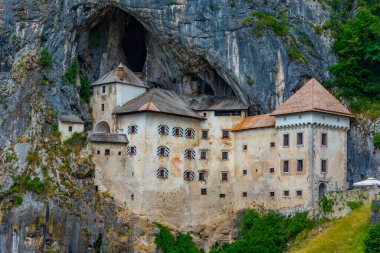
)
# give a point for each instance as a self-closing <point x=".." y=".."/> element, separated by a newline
<point x="71" y="74"/>
<point x="354" y="204"/>
<point x="372" y="241"/>
<point x="34" y="185"/>
<point x="375" y="206"/>
<point x="33" y="158"/>
<point x="45" y="58"/>
<point x="85" y="89"/>
<point x="295" y="54"/>
<point x="326" y="205"/>
<point x="376" y="140"/>
<point x="168" y="244"/>
<point x="261" y="21"/>
<point x="17" y="200"/>
<point x="266" y="233"/>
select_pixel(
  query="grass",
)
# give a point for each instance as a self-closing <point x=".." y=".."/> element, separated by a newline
<point x="342" y="235"/>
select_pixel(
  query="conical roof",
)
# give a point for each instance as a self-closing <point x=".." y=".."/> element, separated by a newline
<point x="158" y="100"/>
<point x="312" y="97"/>
<point x="128" y="78"/>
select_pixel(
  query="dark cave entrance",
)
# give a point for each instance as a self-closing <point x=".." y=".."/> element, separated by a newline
<point x="134" y="45"/>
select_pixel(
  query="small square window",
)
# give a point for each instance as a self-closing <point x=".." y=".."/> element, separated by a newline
<point x="102" y="107"/>
<point x="204" y="134"/>
<point x="205" y="115"/>
<point x="271" y="194"/>
<point x="299" y="165"/>
<point x="271" y="170"/>
<point x="204" y="191"/>
<point x="299" y="193"/>
<point x="107" y="152"/>
<point x="202" y="176"/>
<point x="177" y="132"/>
<point x="70" y="128"/>
<point x="224" y="155"/>
<point x="324" y="139"/>
<point x="226" y="134"/>
<point x="119" y="152"/>
<point x="222" y="196"/>
<point x="98" y="152"/>
<point x="299" y="138"/>
<point x="245" y="194"/>
<point x="286" y="193"/>
<point x="224" y="176"/>
<point x="272" y="144"/>
<point x="285" y="166"/>
<point x="286" y="140"/>
<point x="244" y="172"/>
<point x="245" y="147"/>
<point x="324" y="166"/>
<point x="203" y="154"/>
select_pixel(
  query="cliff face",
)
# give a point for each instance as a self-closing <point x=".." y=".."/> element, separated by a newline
<point x="188" y="46"/>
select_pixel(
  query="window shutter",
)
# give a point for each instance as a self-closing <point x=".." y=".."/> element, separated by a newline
<point x="166" y="173"/>
<point x="186" y="153"/>
<point x="159" y="151"/>
<point x="173" y="131"/>
<point x="166" y="130"/>
<point x="136" y="129"/>
<point x="192" y="134"/>
<point x="192" y="154"/>
<point x="181" y="132"/>
<point x="167" y="151"/>
<point x="134" y="150"/>
<point x="192" y="175"/>
<point x="159" y="129"/>
<point x="128" y="150"/>
<point x="129" y="129"/>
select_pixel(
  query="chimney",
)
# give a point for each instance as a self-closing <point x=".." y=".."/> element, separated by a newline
<point x="120" y="72"/>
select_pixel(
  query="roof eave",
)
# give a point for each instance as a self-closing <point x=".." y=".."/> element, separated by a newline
<point x="98" y="84"/>
<point x="142" y="111"/>
<point x="314" y="110"/>
<point x="252" y="128"/>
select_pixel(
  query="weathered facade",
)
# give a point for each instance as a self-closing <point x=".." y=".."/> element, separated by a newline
<point x="68" y="125"/>
<point x="191" y="161"/>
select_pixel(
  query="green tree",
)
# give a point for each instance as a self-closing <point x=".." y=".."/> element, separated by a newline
<point x="372" y="241"/>
<point x="85" y="89"/>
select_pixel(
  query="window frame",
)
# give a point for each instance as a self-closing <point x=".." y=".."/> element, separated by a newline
<point x="104" y="90"/>
<point x="225" y="152"/>
<point x="286" y="194"/>
<point x="103" y="107"/>
<point x="225" y="137"/>
<point x="203" y="135"/>
<point x="285" y="137"/>
<point x="283" y="166"/>
<point x="324" y="140"/>
<point x="299" y="195"/>
<point x="203" y="151"/>
<point x="222" y="195"/>
<point x="224" y="176"/>
<point x="271" y="170"/>
<point x="272" y="146"/>
<point x="245" y="147"/>
<point x="324" y="161"/>
<point x="297" y="136"/>
<point x="245" y="194"/>
<point x="107" y="152"/>
<point x="204" y="176"/>
<point x="245" y="172"/>
<point x="303" y="166"/>
<point x="203" y="191"/>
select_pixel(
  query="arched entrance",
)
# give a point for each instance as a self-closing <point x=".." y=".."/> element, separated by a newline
<point x="322" y="190"/>
<point x="102" y="127"/>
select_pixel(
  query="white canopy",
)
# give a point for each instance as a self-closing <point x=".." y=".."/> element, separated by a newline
<point x="368" y="182"/>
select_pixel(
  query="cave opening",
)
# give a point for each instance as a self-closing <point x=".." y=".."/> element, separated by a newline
<point x="134" y="46"/>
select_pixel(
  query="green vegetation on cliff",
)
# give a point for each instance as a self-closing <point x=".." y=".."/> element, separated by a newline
<point x="357" y="46"/>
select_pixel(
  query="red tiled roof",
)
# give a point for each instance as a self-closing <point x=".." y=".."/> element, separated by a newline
<point x="312" y="97"/>
<point x="258" y="121"/>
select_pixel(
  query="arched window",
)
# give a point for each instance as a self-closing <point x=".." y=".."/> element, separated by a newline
<point x="163" y="151"/>
<point x="190" y="133"/>
<point x="177" y="132"/>
<point x="102" y="127"/>
<point x="188" y="175"/>
<point x="163" y="130"/>
<point x="189" y="154"/>
<point x="131" y="150"/>
<point x="132" y="129"/>
<point x="162" y="173"/>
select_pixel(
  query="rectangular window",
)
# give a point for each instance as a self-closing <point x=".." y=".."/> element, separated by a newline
<point x="225" y="134"/>
<point x="98" y="152"/>
<point x="286" y="193"/>
<point x="272" y="144"/>
<point x="224" y="176"/>
<point x="271" y="170"/>
<point x="204" y="134"/>
<point x="187" y="176"/>
<point x="107" y="152"/>
<point x="299" y="193"/>
<point x="222" y="196"/>
<point x="177" y="132"/>
<point x="324" y="139"/>
<point x="244" y="172"/>
<point x="162" y="174"/>
<point x="163" y="130"/>
<point x="119" y="152"/>
<point x="299" y="165"/>
<point x="205" y="114"/>
<point x="245" y="147"/>
<point x="203" y="154"/>
<point x="245" y="194"/>
<point x="189" y="133"/>
<point x="102" y="107"/>
<point x="132" y="150"/>
<point x="132" y="197"/>
<point x="286" y="140"/>
<point x="299" y="138"/>
<point x="285" y="166"/>
<point x="204" y="191"/>
<point x="103" y="89"/>
<point x="224" y="155"/>
<point x="189" y="154"/>
<point x="133" y="130"/>
<point x="70" y="128"/>
<point x="271" y="194"/>
<point x="202" y="176"/>
<point x="162" y="151"/>
<point x="324" y="166"/>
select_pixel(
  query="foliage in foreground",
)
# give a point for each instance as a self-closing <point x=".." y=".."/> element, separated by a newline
<point x="182" y="243"/>
<point x="372" y="241"/>
<point x="376" y="140"/>
<point x="269" y="232"/>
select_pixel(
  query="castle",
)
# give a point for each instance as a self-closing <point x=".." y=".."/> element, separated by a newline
<point x="194" y="160"/>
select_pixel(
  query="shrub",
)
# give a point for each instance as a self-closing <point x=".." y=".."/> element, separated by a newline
<point x="295" y="54"/>
<point x="372" y="241"/>
<point x="17" y="200"/>
<point x="34" y="185"/>
<point x="375" y="206"/>
<point x="258" y="233"/>
<point x="326" y="205"/>
<point x="354" y="204"/>
<point x="170" y="244"/>
<point x="45" y="58"/>
<point x="85" y="89"/>
<point x="376" y="140"/>
<point x="261" y="21"/>
<point x="71" y="74"/>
